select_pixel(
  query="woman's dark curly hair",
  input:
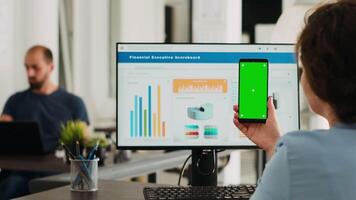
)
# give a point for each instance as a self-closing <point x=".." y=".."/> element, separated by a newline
<point x="327" y="50"/>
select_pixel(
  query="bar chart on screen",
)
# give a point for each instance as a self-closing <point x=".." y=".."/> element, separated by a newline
<point x="146" y="116"/>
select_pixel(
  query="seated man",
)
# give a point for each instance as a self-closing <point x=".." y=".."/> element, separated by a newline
<point x="45" y="103"/>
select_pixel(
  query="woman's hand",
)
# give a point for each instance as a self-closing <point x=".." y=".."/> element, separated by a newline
<point x="264" y="135"/>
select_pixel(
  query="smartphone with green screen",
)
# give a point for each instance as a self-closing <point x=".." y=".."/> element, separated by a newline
<point x="253" y="90"/>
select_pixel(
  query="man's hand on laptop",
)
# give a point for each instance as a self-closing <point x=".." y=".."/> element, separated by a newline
<point x="6" y="118"/>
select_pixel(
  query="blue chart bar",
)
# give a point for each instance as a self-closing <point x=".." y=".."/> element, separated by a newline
<point x="136" y="116"/>
<point x="145" y="121"/>
<point x="131" y="123"/>
<point x="149" y="112"/>
<point x="140" y="109"/>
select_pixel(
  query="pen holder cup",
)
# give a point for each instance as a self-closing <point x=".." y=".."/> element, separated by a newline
<point x="84" y="175"/>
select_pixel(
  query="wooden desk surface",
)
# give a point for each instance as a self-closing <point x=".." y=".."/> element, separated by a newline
<point x="47" y="162"/>
<point x="108" y="190"/>
<point x="33" y="163"/>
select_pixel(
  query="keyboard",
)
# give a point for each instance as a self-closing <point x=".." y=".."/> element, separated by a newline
<point x="238" y="192"/>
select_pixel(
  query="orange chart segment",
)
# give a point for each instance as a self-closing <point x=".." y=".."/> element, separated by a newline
<point x="200" y="86"/>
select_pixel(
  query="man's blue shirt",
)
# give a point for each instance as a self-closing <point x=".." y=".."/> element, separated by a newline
<point x="50" y="111"/>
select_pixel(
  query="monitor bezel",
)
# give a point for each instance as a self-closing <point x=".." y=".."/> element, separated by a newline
<point x="237" y="147"/>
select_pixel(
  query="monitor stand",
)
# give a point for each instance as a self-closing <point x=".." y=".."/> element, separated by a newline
<point x="204" y="167"/>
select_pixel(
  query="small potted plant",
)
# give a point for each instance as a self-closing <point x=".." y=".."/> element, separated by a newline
<point x="101" y="151"/>
<point x="71" y="133"/>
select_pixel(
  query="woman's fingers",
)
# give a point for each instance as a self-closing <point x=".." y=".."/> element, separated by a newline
<point x="240" y="126"/>
<point x="271" y="108"/>
<point x="243" y="128"/>
<point x="264" y="135"/>
<point x="236" y="108"/>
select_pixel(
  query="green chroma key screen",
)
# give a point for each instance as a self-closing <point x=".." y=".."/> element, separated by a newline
<point x="253" y="90"/>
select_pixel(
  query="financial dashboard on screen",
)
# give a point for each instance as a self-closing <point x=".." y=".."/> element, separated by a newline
<point x="182" y="95"/>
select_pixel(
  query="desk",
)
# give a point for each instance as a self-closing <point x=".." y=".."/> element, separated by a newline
<point x="139" y="165"/>
<point x="108" y="190"/>
<point x="47" y="163"/>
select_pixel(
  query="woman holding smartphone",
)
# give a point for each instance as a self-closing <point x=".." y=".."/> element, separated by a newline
<point x="318" y="164"/>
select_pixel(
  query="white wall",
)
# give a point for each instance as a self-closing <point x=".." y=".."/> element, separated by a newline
<point x="91" y="56"/>
<point x="286" y="4"/>
<point x="24" y="23"/>
<point x="7" y="68"/>
<point x="36" y="23"/>
<point x="141" y="21"/>
<point x="217" y="21"/>
<point x="263" y="32"/>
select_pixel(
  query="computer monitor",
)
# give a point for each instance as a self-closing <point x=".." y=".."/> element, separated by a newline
<point x="181" y="96"/>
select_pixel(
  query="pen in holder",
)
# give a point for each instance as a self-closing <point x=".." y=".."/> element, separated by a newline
<point x="84" y="175"/>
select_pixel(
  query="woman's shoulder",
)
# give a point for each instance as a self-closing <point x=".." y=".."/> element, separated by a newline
<point x="333" y="139"/>
<point x="296" y="137"/>
<point x="311" y="143"/>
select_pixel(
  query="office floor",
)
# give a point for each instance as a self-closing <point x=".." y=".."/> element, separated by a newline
<point x="248" y="172"/>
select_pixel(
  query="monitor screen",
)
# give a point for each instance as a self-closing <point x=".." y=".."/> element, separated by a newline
<point x="182" y="95"/>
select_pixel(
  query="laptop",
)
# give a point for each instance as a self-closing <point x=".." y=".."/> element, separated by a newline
<point x="21" y="138"/>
